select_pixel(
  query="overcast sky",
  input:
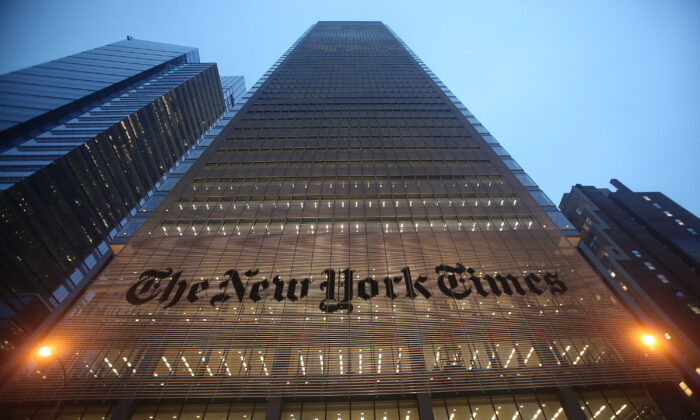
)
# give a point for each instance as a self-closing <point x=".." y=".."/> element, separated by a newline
<point x="577" y="92"/>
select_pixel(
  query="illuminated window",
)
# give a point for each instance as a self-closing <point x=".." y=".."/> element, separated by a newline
<point x="636" y="253"/>
<point x="662" y="278"/>
<point x="694" y="308"/>
<point x="686" y="390"/>
<point x="647" y="198"/>
<point x="649" y="265"/>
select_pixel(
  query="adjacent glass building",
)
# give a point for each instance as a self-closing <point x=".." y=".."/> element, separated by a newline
<point x="85" y="140"/>
<point x="353" y="244"/>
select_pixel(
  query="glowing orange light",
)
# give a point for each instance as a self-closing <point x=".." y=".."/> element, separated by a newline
<point x="44" y="352"/>
<point x="648" y="339"/>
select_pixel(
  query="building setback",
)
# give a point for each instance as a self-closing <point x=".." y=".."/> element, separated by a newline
<point x="647" y="248"/>
<point x="85" y="140"/>
<point x="353" y="244"/>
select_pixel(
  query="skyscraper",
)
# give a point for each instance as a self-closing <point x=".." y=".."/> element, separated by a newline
<point x="647" y="248"/>
<point x="353" y="244"/>
<point x="85" y="140"/>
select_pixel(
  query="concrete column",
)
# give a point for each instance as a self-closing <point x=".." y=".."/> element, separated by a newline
<point x="570" y="404"/>
<point x="123" y="410"/>
<point x="274" y="409"/>
<point x="425" y="407"/>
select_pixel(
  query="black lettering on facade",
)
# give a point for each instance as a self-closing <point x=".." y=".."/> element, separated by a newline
<point x="331" y="303"/>
<point x="373" y="288"/>
<point x="181" y="286"/>
<point x="149" y="281"/>
<point x="506" y="287"/>
<point x="530" y="280"/>
<point x="555" y="285"/>
<point x="279" y="288"/>
<point x="196" y="289"/>
<point x="448" y="273"/>
<point x="492" y="285"/>
<point x="412" y="286"/>
<point x="451" y="280"/>
<point x="389" y="285"/>
<point x="477" y="283"/>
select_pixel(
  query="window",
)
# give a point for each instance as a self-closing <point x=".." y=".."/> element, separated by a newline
<point x="694" y="308"/>
<point x="686" y="390"/>
<point x="636" y="253"/>
<point x="663" y="278"/>
<point x="647" y="198"/>
<point x="667" y="213"/>
<point x="594" y="242"/>
<point x="656" y="205"/>
<point x="680" y="222"/>
<point x="691" y="230"/>
<point x="649" y="265"/>
<point x="680" y="294"/>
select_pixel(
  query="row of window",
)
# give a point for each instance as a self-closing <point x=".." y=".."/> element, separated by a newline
<point x="663" y="279"/>
<point x="499" y="199"/>
<point x="341" y="113"/>
<point x="360" y="359"/>
<point x="669" y="214"/>
<point x="349" y="103"/>
<point x="346" y="126"/>
<point x="370" y="181"/>
<point x="361" y="119"/>
<point x="344" y="225"/>
<point x="350" y="163"/>
<point x="231" y="203"/>
<point x="350" y="148"/>
<point x="331" y="109"/>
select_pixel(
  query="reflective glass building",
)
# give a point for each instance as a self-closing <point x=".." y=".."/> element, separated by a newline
<point x="353" y="244"/>
<point x="85" y="140"/>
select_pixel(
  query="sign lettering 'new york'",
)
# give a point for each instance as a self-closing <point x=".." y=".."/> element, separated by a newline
<point x="458" y="282"/>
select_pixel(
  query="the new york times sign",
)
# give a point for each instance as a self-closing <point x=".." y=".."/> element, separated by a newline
<point x="458" y="282"/>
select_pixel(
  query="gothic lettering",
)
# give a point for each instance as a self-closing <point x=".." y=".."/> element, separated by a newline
<point x="279" y="288"/>
<point x="477" y="283"/>
<point x="196" y="289"/>
<point x="555" y="285"/>
<point x="530" y="280"/>
<point x="449" y="289"/>
<point x="412" y="286"/>
<point x="181" y="286"/>
<point x="506" y="287"/>
<point x="492" y="284"/>
<point x="147" y="280"/>
<point x="373" y="288"/>
<point x="456" y="281"/>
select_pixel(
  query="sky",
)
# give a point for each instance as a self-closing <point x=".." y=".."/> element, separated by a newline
<point x="578" y="92"/>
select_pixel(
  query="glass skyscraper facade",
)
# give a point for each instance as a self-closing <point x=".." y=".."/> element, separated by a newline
<point x="86" y="139"/>
<point x="353" y="244"/>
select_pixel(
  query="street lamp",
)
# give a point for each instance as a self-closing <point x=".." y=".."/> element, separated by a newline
<point x="45" y="353"/>
<point x="648" y="339"/>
